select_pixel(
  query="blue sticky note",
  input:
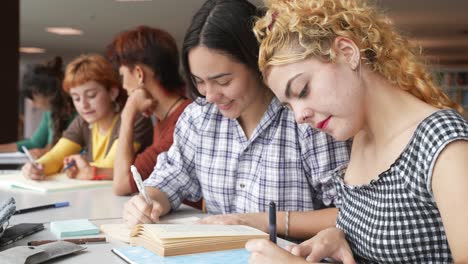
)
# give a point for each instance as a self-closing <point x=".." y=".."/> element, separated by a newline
<point x="140" y="255"/>
<point x="70" y="228"/>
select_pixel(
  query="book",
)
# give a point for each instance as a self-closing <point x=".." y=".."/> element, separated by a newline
<point x="177" y="239"/>
<point x="140" y="255"/>
<point x="122" y="232"/>
<point x="53" y="183"/>
<point x="75" y="227"/>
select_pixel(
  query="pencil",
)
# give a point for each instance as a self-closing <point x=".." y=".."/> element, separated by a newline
<point x="74" y="240"/>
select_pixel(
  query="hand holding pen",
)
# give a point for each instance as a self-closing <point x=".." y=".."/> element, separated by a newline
<point x="68" y="165"/>
<point x="76" y="166"/>
<point x="32" y="170"/>
<point x="140" y="209"/>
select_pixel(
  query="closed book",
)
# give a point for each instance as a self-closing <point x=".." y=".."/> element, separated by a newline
<point x="71" y="228"/>
<point x="174" y="239"/>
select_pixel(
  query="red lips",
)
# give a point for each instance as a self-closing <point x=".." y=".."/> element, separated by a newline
<point x="323" y="124"/>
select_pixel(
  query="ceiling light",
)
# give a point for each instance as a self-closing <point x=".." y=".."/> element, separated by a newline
<point x="64" y="31"/>
<point x="31" y="50"/>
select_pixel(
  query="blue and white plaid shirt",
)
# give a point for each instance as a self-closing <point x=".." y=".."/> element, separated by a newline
<point x="282" y="161"/>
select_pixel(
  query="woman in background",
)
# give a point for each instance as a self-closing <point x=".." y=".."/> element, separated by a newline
<point x="90" y="142"/>
<point x="343" y="69"/>
<point x="43" y="85"/>
<point x="148" y="61"/>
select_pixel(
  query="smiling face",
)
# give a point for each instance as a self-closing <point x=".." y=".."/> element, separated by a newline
<point x="328" y="96"/>
<point x="228" y="84"/>
<point x="93" y="101"/>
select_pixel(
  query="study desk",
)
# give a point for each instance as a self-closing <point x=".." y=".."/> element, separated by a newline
<point x="99" y="205"/>
<point x="94" y="203"/>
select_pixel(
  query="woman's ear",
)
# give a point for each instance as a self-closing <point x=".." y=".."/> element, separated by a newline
<point x="114" y="93"/>
<point x="139" y="73"/>
<point x="347" y="51"/>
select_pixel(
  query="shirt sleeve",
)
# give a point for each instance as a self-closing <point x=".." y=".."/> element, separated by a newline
<point x="53" y="159"/>
<point x="321" y="155"/>
<point x="74" y="132"/>
<point x="40" y="136"/>
<point x="174" y="173"/>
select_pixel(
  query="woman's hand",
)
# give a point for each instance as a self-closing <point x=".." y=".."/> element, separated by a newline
<point x="329" y="243"/>
<point x="138" y="211"/>
<point x="264" y="251"/>
<point x="81" y="169"/>
<point x="33" y="172"/>
<point x="139" y="101"/>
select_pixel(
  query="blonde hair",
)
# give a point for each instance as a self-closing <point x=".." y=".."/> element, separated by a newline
<point x="294" y="30"/>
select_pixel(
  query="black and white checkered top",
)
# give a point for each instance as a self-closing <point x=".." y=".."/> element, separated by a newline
<point x="394" y="218"/>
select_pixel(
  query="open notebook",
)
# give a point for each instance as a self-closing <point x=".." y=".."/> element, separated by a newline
<point x="57" y="182"/>
<point x="122" y="231"/>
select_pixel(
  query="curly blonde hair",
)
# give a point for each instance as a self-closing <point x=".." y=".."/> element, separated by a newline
<point x="293" y="30"/>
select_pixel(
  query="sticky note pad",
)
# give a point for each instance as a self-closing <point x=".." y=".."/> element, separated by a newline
<point x="70" y="228"/>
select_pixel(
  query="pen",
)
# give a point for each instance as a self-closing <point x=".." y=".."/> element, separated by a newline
<point x="72" y="163"/>
<point x="42" y="207"/>
<point x="272" y="220"/>
<point x="30" y="158"/>
<point x="73" y="240"/>
<point x="139" y="183"/>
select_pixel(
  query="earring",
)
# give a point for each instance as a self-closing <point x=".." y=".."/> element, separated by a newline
<point x="116" y="106"/>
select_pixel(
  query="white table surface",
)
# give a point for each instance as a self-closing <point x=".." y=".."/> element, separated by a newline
<point x="99" y="205"/>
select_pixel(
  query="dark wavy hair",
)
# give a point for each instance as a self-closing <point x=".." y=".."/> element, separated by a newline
<point x="152" y="47"/>
<point x="46" y="80"/>
<point x="225" y="26"/>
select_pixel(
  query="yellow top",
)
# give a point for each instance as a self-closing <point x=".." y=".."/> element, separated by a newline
<point x="53" y="160"/>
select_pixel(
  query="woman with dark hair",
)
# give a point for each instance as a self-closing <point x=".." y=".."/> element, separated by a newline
<point x="237" y="146"/>
<point x="148" y="62"/>
<point x="90" y="142"/>
<point x="43" y="85"/>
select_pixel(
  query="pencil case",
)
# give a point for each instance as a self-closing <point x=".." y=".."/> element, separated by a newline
<point x="7" y="209"/>
<point x="39" y="254"/>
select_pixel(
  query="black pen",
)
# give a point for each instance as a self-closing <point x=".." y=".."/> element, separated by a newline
<point x="42" y="207"/>
<point x="272" y="219"/>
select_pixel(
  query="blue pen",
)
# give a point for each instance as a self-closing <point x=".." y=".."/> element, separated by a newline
<point x="272" y="220"/>
<point x="72" y="163"/>
<point x="42" y="207"/>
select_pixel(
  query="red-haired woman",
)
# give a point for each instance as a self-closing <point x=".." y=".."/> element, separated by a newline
<point x="148" y="62"/>
<point x="97" y="95"/>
